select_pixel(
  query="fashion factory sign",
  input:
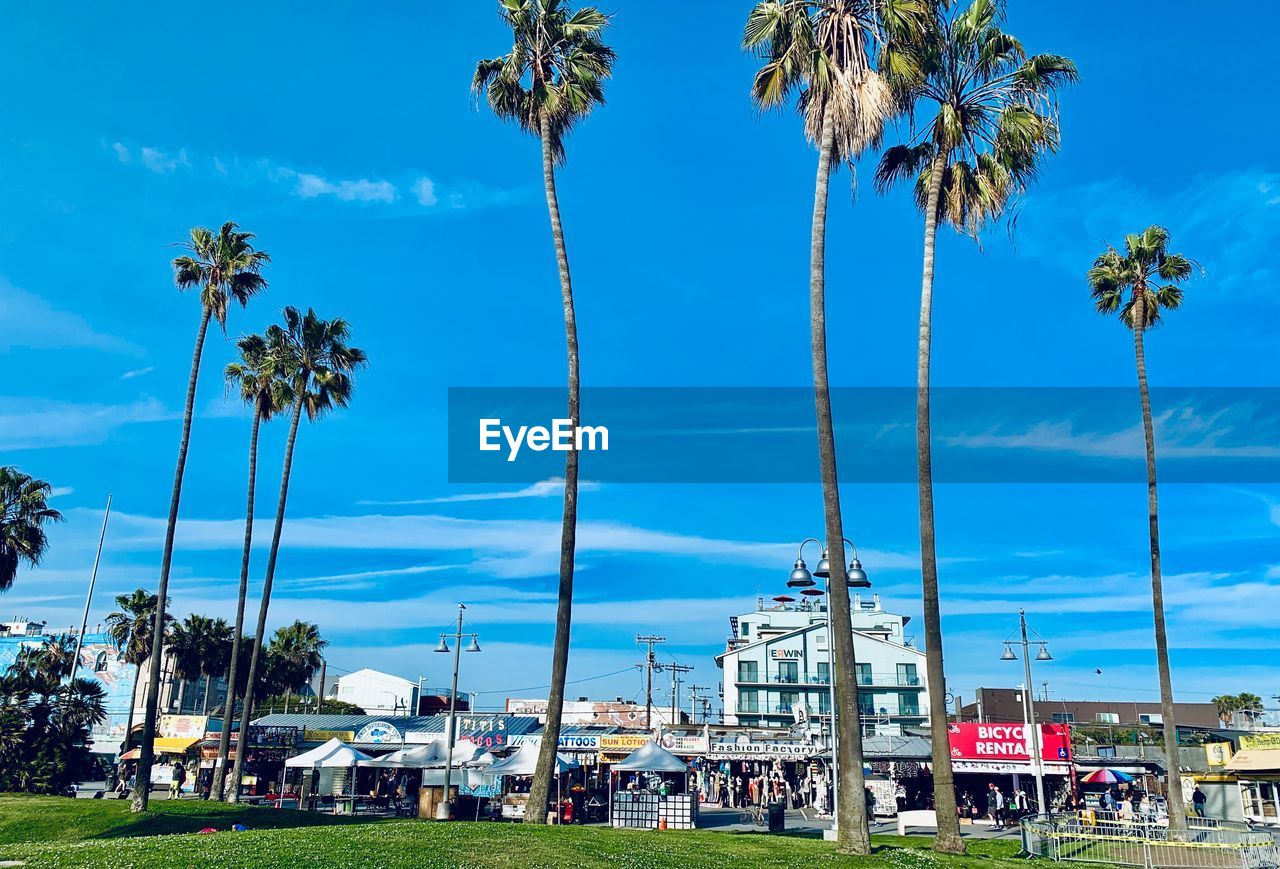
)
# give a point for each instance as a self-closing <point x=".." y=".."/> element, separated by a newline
<point x="744" y="750"/>
<point x="1007" y="742"/>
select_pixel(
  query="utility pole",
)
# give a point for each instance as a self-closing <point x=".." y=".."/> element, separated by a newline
<point x="649" y="665"/>
<point x="693" y="702"/>
<point x="676" y="670"/>
<point x="324" y="671"/>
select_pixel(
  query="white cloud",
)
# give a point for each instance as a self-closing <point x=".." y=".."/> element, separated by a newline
<point x="543" y="489"/>
<point x="137" y="372"/>
<point x="425" y="190"/>
<point x="38" y="424"/>
<point x="1274" y="572"/>
<point x="59" y="491"/>
<point x="31" y="322"/>
<point x="310" y="186"/>
<point x="152" y="159"/>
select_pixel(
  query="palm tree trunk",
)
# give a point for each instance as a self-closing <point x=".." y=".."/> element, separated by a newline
<point x="228" y="712"/>
<point x="142" y="791"/>
<point x="133" y="702"/>
<point x="1177" y="809"/>
<point x="948" y="840"/>
<point x="204" y="703"/>
<point x="255" y="658"/>
<point x="541" y="787"/>
<point x="851" y="818"/>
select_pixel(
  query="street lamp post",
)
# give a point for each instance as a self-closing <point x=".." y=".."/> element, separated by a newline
<point x="802" y="579"/>
<point x="1029" y="703"/>
<point x="445" y="809"/>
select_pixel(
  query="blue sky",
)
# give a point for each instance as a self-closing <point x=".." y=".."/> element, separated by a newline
<point x="348" y="142"/>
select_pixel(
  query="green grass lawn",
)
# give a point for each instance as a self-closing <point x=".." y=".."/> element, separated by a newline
<point x="74" y="833"/>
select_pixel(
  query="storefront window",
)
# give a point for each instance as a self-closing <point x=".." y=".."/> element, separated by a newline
<point x="1260" y="800"/>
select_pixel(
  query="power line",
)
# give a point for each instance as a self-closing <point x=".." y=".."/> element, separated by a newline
<point x="540" y="687"/>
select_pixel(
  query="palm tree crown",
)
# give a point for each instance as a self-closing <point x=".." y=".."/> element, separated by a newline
<point x="995" y="115"/>
<point x="554" y="74"/>
<point x="255" y="380"/>
<point x="840" y="57"/>
<point x="24" y="510"/>
<point x="224" y="265"/>
<point x="294" y="652"/>
<point x="311" y="356"/>
<point x="1147" y="270"/>
<point x="188" y="641"/>
<point x="130" y="627"/>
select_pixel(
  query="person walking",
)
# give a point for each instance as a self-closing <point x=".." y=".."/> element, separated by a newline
<point x="1198" y="799"/>
<point x="995" y="806"/>
<point x="175" y="783"/>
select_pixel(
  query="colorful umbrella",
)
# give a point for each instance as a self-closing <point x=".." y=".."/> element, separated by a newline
<point x="1106" y="776"/>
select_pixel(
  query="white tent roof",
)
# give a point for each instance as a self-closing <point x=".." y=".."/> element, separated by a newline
<point x="525" y="762"/>
<point x="434" y="755"/>
<point x="652" y="757"/>
<point x="334" y="753"/>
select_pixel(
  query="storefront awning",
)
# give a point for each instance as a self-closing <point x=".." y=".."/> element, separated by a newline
<point x="1255" y="760"/>
<point x="171" y="745"/>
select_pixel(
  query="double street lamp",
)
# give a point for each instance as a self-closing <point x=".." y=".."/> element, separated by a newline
<point x="1034" y="746"/>
<point x="445" y="809"/>
<point x="802" y="580"/>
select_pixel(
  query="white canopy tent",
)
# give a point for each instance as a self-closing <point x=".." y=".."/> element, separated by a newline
<point x="525" y="762"/>
<point x="652" y="757"/>
<point x="334" y="753"/>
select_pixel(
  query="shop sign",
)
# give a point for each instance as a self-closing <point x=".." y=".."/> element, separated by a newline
<point x="786" y="654"/>
<point x="684" y="744"/>
<point x="1007" y="742"/>
<point x="183" y="726"/>
<point x="263" y="736"/>
<point x="1260" y="740"/>
<point x="1217" y="753"/>
<point x="326" y="735"/>
<point x="784" y="750"/>
<point x="1008" y="767"/>
<point x="378" y="733"/>
<point x="584" y="742"/>
<point x="627" y="742"/>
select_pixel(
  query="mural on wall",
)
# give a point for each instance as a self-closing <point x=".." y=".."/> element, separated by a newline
<point x="99" y="662"/>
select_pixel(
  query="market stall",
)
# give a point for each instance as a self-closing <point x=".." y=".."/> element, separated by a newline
<point x="651" y="801"/>
<point x="340" y="760"/>
<point x="522" y="764"/>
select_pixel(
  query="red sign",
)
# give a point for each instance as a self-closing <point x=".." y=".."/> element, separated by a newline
<point x="1007" y="742"/>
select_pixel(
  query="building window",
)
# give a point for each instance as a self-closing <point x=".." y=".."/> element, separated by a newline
<point x="824" y="702"/>
<point x="1064" y="718"/>
<point x="788" y="672"/>
<point x="1151" y="718"/>
<point x="746" y="629"/>
<point x="100" y="662"/>
<point x="748" y="671"/>
<point x="787" y="701"/>
<point x="1106" y="718"/>
<point x="866" y="704"/>
<point x="907" y="676"/>
<point x="909" y="704"/>
<point x="864" y="674"/>
<point x="824" y="673"/>
<point x="868" y="729"/>
<point x="749" y="701"/>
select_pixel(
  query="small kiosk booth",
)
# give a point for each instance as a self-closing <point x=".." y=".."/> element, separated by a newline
<point x="652" y="801"/>
<point x="522" y="764"/>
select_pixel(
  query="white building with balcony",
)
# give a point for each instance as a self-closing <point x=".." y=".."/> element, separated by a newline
<point x="777" y="667"/>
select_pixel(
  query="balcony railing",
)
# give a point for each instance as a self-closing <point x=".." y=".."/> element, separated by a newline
<point x="865" y="680"/>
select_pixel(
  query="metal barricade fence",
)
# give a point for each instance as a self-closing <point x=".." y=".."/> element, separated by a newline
<point x="1084" y="838"/>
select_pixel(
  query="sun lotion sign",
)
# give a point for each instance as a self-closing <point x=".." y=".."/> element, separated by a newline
<point x="1007" y="742"/>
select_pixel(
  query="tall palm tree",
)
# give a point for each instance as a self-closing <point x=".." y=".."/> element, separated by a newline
<point x="551" y="79"/>
<point x="295" y="650"/>
<point x="840" y="58"/>
<point x="1150" y="274"/>
<point x="24" y="510"/>
<point x="226" y="268"/>
<point x="1250" y="706"/>
<point x="266" y="394"/>
<point x="186" y="643"/>
<point x="129" y="629"/>
<point x="989" y="121"/>
<point x="312" y="355"/>
<point x="215" y="658"/>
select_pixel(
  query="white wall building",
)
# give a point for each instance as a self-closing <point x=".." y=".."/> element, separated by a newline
<point x="376" y="693"/>
<point x="617" y="713"/>
<point x="777" y="667"/>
